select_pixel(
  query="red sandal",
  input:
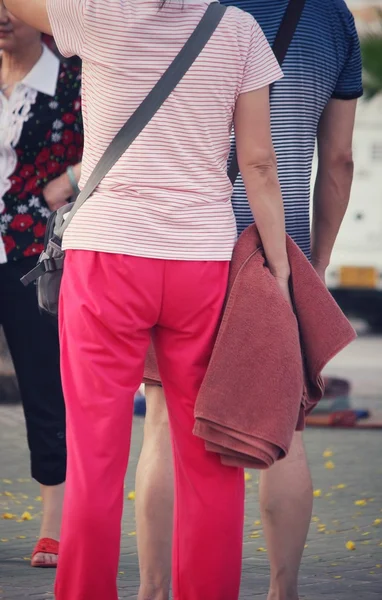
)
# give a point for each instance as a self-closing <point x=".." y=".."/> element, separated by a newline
<point x="45" y="546"/>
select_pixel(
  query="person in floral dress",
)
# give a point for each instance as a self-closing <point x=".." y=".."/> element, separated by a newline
<point x="41" y="143"/>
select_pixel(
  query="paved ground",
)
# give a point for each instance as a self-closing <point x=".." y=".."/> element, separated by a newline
<point x="348" y="507"/>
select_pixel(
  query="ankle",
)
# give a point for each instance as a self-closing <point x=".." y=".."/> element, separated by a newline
<point x="153" y="593"/>
<point x="52" y="533"/>
<point x="283" y="592"/>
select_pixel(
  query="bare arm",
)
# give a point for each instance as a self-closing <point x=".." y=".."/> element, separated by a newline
<point x="258" y="166"/>
<point x="334" y="178"/>
<point x="58" y="191"/>
<point x="32" y="12"/>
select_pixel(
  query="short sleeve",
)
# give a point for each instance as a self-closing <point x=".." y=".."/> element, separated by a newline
<point x="349" y="83"/>
<point x="67" y="21"/>
<point x="261" y="66"/>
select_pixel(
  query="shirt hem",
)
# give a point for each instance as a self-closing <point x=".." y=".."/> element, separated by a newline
<point x="353" y="96"/>
<point x="181" y="256"/>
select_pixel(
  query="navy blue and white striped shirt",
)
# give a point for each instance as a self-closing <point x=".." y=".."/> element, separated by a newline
<point x="323" y="62"/>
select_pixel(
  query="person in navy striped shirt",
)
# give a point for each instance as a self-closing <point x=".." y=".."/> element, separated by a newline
<point x="316" y="101"/>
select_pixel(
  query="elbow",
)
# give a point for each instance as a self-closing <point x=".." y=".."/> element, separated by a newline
<point x="262" y="167"/>
<point x="345" y="160"/>
<point x="341" y="161"/>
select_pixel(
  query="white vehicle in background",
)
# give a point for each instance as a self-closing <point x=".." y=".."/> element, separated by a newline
<point x="355" y="273"/>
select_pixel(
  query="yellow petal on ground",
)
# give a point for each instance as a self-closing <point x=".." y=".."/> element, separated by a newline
<point x="306" y="546"/>
<point x="4" y="540"/>
<point x="247" y="476"/>
<point x="366" y="533"/>
<point x="131" y="495"/>
<point x="24" y="496"/>
<point x="8" y="516"/>
<point x="26" y="516"/>
<point x="327" y="454"/>
<point x="132" y="533"/>
<point x="330" y="464"/>
<point x="27" y="557"/>
<point x="328" y="494"/>
<point x="337" y="577"/>
<point x="257" y="523"/>
<point x="261" y="550"/>
<point x="377" y="522"/>
<point x="30" y="507"/>
<point x="362" y="502"/>
<point x="121" y="572"/>
<point x="9" y="494"/>
<point x="255" y="535"/>
<point x="8" y="481"/>
<point x="334" y="565"/>
<point x="365" y="543"/>
<point x="378" y="566"/>
<point x="21" y="537"/>
<point x="317" y="493"/>
<point x="315" y="519"/>
<point x="350" y="545"/>
<point x="341" y="486"/>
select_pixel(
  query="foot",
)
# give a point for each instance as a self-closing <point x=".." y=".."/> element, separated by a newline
<point x="45" y="553"/>
<point x="52" y="498"/>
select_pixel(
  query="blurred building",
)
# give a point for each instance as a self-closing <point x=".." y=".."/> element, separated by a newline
<point x="355" y="275"/>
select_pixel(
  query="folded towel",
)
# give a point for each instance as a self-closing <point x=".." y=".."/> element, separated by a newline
<point x="264" y="376"/>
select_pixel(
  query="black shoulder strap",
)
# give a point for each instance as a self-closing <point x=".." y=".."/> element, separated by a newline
<point x="280" y="48"/>
<point x="150" y="105"/>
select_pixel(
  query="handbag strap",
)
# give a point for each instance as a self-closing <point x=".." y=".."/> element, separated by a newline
<point x="150" y="105"/>
<point x="280" y="48"/>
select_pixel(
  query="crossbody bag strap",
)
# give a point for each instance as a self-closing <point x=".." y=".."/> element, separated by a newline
<point x="150" y="105"/>
<point x="280" y="48"/>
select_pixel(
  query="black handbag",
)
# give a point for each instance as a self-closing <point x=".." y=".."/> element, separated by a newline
<point x="49" y="270"/>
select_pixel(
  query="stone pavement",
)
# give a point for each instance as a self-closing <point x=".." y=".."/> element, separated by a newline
<point x="348" y="507"/>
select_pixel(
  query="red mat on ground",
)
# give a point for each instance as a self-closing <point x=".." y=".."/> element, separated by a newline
<point x="345" y="419"/>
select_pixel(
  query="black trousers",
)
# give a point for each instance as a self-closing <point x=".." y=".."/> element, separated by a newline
<point x="33" y="342"/>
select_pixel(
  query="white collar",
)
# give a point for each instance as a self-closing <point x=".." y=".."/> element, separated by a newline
<point x="43" y="76"/>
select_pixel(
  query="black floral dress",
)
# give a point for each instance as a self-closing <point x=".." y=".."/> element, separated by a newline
<point x="51" y="140"/>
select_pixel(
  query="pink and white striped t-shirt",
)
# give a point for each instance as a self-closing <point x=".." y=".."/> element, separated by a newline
<point x="169" y="195"/>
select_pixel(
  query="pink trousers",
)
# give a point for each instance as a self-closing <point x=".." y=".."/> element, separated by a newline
<point x="110" y="304"/>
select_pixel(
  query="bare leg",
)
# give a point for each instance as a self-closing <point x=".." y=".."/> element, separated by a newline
<point x="154" y="500"/>
<point x="286" y="499"/>
<point x="52" y="497"/>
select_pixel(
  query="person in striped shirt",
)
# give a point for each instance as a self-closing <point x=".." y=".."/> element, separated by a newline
<point x="316" y="100"/>
<point x="150" y="250"/>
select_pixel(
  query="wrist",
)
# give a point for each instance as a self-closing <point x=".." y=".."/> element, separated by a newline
<point x="281" y="272"/>
<point x="74" y="189"/>
<point x="320" y="263"/>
